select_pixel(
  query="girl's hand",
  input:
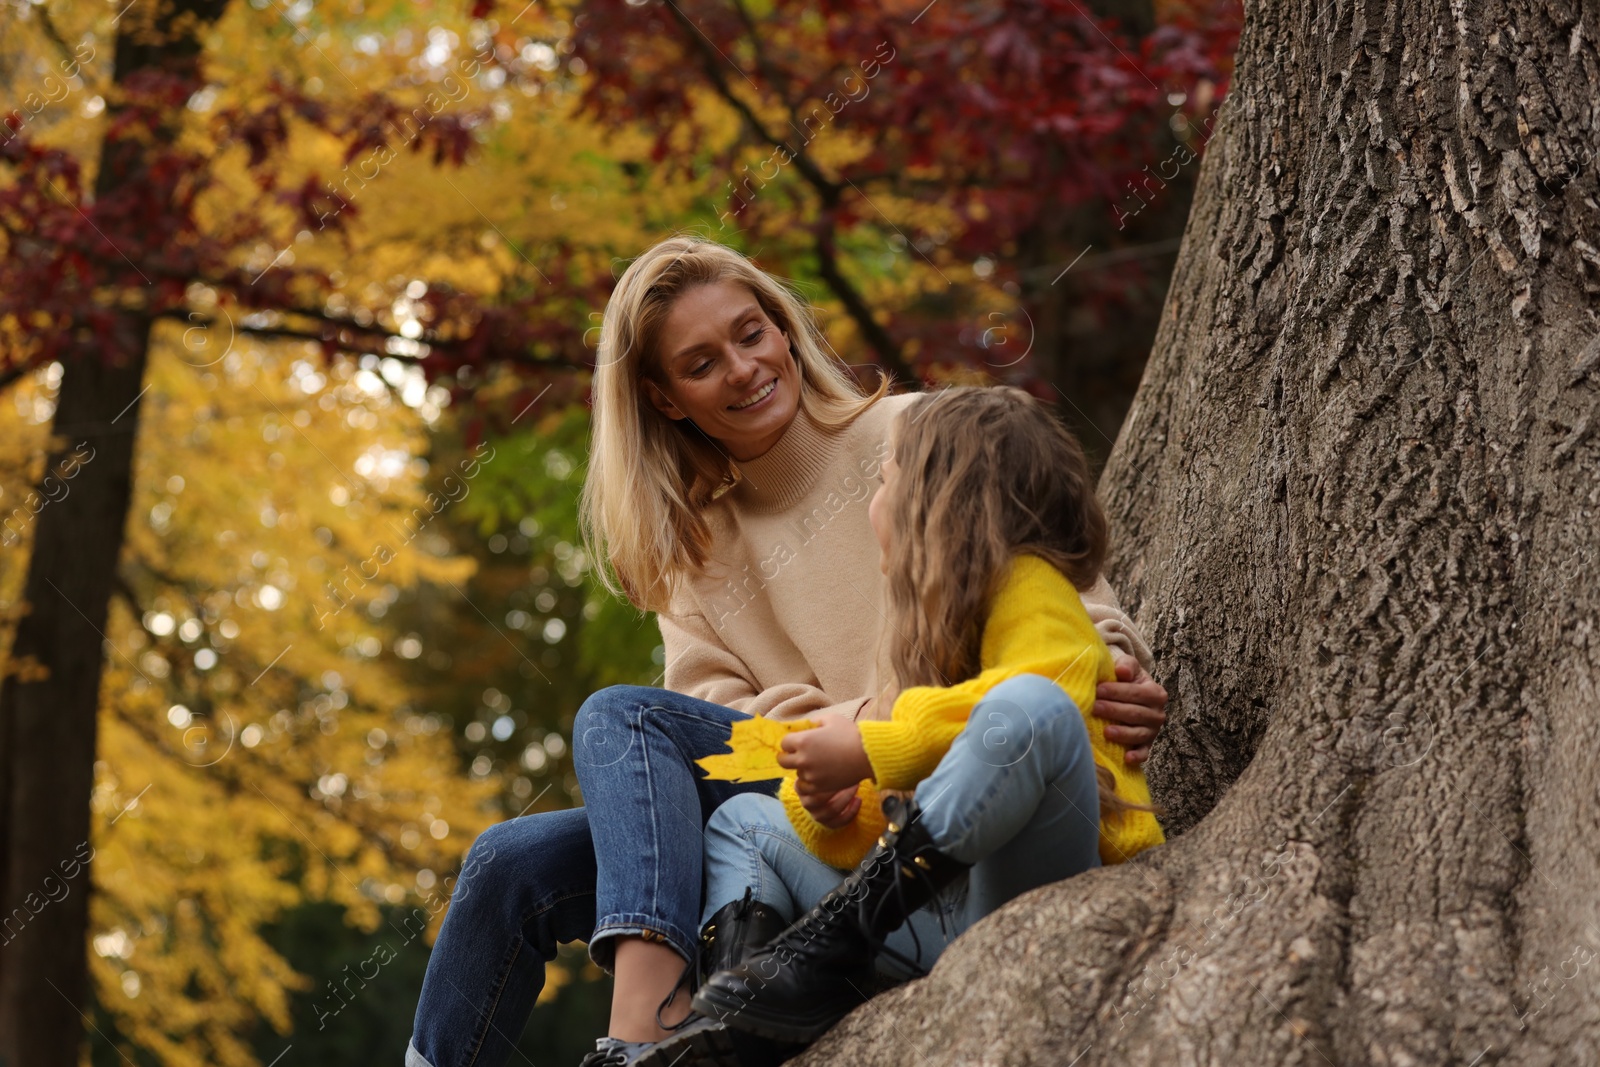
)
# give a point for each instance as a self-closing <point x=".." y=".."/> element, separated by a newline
<point x="833" y="810"/>
<point x="1134" y="707"/>
<point x="826" y="758"/>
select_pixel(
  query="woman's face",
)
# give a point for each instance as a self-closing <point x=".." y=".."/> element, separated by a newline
<point x="878" y="509"/>
<point x="727" y="368"/>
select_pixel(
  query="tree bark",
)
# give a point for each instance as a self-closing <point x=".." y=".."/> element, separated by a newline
<point x="1354" y="505"/>
<point x="48" y="724"/>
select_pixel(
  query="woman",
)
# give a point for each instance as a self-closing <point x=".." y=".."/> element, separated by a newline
<point x="729" y="470"/>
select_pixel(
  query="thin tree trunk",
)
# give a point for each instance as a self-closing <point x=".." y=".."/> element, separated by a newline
<point x="48" y="724"/>
<point x="1355" y="507"/>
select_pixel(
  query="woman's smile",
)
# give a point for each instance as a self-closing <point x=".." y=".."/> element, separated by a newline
<point x="757" y="398"/>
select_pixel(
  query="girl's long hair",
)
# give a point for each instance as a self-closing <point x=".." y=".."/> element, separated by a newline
<point x="984" y="474"/>
<point x="651" y="479"/>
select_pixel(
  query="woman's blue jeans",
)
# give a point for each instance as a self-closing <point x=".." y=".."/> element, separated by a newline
<point x="627" y="863"/>
<point x="1015" y="796"/>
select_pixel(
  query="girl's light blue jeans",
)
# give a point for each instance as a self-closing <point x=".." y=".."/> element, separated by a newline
<point x="626" y="864"/>
<point x="1015" y="796"/>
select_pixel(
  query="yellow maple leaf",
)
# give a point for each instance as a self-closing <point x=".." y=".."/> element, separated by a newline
<point x="755" y="743"/>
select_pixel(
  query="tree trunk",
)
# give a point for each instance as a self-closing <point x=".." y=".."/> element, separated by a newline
<point x="1354" y="503"/>
<point x="50" y="723"/>
<point x="47" y="724"/>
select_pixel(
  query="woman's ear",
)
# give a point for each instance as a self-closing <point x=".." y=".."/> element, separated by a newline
<point x="660" y="401"/>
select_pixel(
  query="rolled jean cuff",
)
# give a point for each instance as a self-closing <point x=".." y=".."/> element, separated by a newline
<point x="648" y="927"/>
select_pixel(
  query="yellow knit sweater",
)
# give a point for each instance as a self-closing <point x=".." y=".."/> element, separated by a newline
<point x="1037" y="625"/>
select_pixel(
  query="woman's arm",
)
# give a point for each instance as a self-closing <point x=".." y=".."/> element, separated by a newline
<point x="1116" y="629"/>
<point x="1135" y="705"/>
<point x="699" y="665"/>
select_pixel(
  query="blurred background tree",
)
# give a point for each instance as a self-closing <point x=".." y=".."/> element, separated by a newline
<point x="327" y="279"/>
<point x="974" y="187"/>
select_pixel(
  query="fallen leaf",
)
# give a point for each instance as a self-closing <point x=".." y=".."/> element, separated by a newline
<point x="755" y="745"/>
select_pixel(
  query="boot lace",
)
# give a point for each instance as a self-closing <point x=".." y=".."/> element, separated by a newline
<point x="804" y="937"/>
<point x="901" y="866"/>
<point x="690" y="966"/>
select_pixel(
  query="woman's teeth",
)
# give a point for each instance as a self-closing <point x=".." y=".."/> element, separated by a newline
<point x="762" y="395"/>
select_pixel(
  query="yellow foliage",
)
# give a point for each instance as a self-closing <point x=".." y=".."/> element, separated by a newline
<point x="754" y="746"/>
<point x="278" y="502"/>
<point x="256" y="748"/>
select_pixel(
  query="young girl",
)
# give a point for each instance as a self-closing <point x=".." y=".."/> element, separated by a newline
<point x="989" y="526"/>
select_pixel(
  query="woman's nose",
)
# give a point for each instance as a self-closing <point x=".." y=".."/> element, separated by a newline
<point x="742" y="365"/>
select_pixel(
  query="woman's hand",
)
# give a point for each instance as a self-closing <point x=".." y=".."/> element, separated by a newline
<point x="833" y="810"/>
<point x="1134" y="707"/>
<point x="827" y="758"/>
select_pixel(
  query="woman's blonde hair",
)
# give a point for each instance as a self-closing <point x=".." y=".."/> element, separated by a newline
<point x="651" y="479"/>
<point x="983" y="474"/>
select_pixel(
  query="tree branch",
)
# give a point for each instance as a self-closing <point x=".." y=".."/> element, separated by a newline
<point x="830" y="191"/>
<point x="1107" y="259"/>
<point x="361" y="340"/>
<point x="854" y="302"/>
<point x="710" y="59"/>
<point x="48" y="24"/>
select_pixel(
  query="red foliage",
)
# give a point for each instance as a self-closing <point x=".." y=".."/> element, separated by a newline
<point x="1013" y="113"/>
<point x="71" y="257"/>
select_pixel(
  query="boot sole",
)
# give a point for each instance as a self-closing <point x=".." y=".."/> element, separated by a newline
<point x="741" y="1014"/>
<point x="703" y="1048"/>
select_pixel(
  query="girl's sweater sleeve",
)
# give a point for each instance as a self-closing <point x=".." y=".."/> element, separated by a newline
<point x="906" y="748"/>
<point x="1037" y="625"/>
<point x="845" y="846"/>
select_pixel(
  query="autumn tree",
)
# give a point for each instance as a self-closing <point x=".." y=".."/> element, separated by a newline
<point x="975" y="185"/>
<point x="180" y="177"/>
<point x="48" y="710"/>
<point x="316" y="696"/>
<point x="1354" y="501"/>
<point x="256" y="745"/>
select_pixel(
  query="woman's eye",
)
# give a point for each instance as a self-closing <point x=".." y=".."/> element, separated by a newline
<point x="701" y="369"/>
<point x="753" y="338"/>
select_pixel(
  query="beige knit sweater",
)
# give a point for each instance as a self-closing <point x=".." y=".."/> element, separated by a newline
<point x="784" y="621"/>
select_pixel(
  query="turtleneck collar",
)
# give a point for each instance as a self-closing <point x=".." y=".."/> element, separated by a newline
<point x="784" y="473"/>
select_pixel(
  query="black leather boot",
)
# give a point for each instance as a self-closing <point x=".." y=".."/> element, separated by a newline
<point x="819" y="969"/>
<point x="736" y="930"/>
